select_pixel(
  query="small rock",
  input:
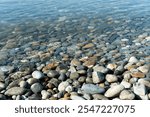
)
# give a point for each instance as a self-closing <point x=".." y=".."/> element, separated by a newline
<point x="36" y="88"/>
<point x="90" y="62"/>
<point x="99" y="97"/>
<point x="144" y="69"/>
<point x="32" y="81"/>
<point x="15" y="91"/>
<point x="92" y="89"/>
<point x="126" y="84"/>
<point x="99" y="69"/>
<point x="2" y="86"/>
<point x="97" y="77"/>
<point x="87" y="96"/>
<point x="82" y="79"/>
<point x="76" y="97"/>
<point x="89" y="45"/>
<point x="52" y="74"/>
<point x="2" y="76"/>
<point x="69" y="89"/>
<point x="62" y="86"/>
<point x="23" y="84"/>
<point x="7" y="69"/>
<point x="37" y="75"/>
<point x="127" y="95"/>
<point x="112" y="66"/>
<point x="62" y="77"/>
<point x="133" y="60"/>
<point x="75" y="62"/>
<point x="138" y="75"/>
<point x="114" y="91"/>
<point x="111" y="78"/>
<point x="45" y="94"/>
<point x="74" y="75"/>
<point x="139" y="89"/>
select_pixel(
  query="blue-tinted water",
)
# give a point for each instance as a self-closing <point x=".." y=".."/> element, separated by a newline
<point x="21" y="10"/>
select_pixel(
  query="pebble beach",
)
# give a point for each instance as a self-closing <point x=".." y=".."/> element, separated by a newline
<point x="76" y="58"/>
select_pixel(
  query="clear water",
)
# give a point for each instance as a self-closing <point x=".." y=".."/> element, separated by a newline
<point x="22" y="10"/>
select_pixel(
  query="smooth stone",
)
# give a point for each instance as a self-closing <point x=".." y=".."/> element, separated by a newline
<point x="45" y="94"/>
<point x="87" y="96"/>
<point x="111" y="78"/>
<point x="37" y="75"/>
<point x="75" y="62"/>
<point x="112" y="66"/>
<point x="23" y="84"/>
<point x="145" y="82"/>
<point x="114" y="91"/>
<point x="127" y="76"/>
<point x="36" y="88"/>
<point x="89" y="45"/>
<point x="127" y="95"/>
<point x="144" y="97"/>
<point x="62" y="86"/>
<point x="92" y="89"/>
<point x="74" y="75"/>
<point x="76" y="97"/>
<point x="7" y="69"/>
<point x="133" y="59"/>
<point x="138" y="74"/>
<point x="52" y="74"/>
<point x="126" y="84"/>
<point x="144" y="69"/>
<point x="2" y="76"/>
<point x="97" y="77"/>
<point x="99" y="69"/>
<point x="69" y="89"/>
<point x="139" y="89"/>
<point x="82" y="79"/>
<point x="32" y="81"/>
<point x="2" y="86"/>
<point x="99" y="97"/>
<point x="15" y="91"/>
<point x="62" y="77"/>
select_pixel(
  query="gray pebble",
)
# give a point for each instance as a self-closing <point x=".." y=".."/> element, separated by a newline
<point x="37" y="75"/>
<point x="36" y="88"/>
<point x="15" y="91"/>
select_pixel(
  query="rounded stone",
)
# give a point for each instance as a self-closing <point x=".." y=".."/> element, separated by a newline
<point x="133" y="59"/>
<point x="37" y="75"/>
<point x="127" y="95"/>
<point x="45" y="94"/>
<point x="32" y="81"/>
<point x="52" y="74"/>
<point x="97" y="77"/>
<point x="111" y="78"/>
<point x="23" y="84"/>
<point x="74" y="75"/>
<point x="114" y="91"/>
<point x="36" y="88"/>
<point x="69" y="89"/>
<point x="62" y="86"/>
<point x="15" y="91"/>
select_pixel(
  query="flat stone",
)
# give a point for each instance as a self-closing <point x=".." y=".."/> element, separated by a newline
<point x="139" y="89"/>
<point x="15" y="91"/>
<point x="101" y="69"/>
<point x="62" y="86"/>
<point x="32" y="81"/>
<point x="89" y="45"/>
<point x="138" y="74"/>
<point x="126" y="84"/>
<point x="97" y="77"/>
<point x="99" y="97"/>
<point x="144" y="69"/>
<point x="126" y="95"/>
<point x="111" y="78"/>
<point x="37" y="75"/>
<point x="76" y="97"/>
<point x="92" y="89"/>
<point x="36" y="88"/>
<point x="52" y="74"/>
<point x="114" y="91"/>
<point x="50" y="66"/>
<point x="90" y="62"/>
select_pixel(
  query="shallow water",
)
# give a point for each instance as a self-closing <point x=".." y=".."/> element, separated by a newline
<point x="70" y="21"/>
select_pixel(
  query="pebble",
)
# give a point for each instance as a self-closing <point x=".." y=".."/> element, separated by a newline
<point x="126" y="84"/>
<point x="37" y="75"/>
<point x="97" y="77"/>
<point x="99" y="97"/>
<point x="133" y="60"/>
<point x="111" y="78"/>
<point x="45" y="94"/>
<point x="76" y="97"/>
<point x="139" y="89"/>
<point x="2" y="86"/>
<point x="138" y="74"/>
<point x="2" y="76"/>
<point x="23" y="84"/>
<point x="62" y="77"/>
<point x="69" y="89"/>
<point x="114" y="91"/>
<point x="75" y="62"/>
<point x="92" y="89"/>
<point x="144" y="69"/>
<point x="15" y="91"/>
<point x="126" y="95"/>
<point x="36" y="88"/>
<point x="62" y="86"/>
<point x="74" y="75"/>
<point x="112" y="66"/>
<point x="52" y="74"/>
<point x="32" y="81"/>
